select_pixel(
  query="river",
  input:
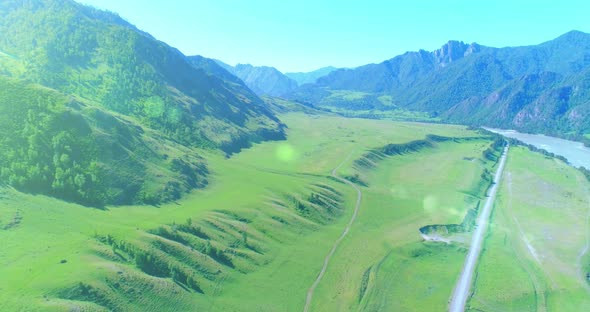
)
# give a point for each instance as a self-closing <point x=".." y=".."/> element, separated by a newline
<point x="575" y="152"/>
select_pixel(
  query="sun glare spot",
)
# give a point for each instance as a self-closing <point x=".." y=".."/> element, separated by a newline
<point x="430" y="203"/>
<point x="285" y="153"/>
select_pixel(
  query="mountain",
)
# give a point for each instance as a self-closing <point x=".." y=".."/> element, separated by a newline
<point x="544" y="102"/>
<point x="216" y="68"/>
<point x="263" y="80"/>
<point x="310" y="77"/>
<point x="398" y="72"/>
<point x="97" y="55"/>
<point x="530" y="88"/>
<point x="107" y="102"/>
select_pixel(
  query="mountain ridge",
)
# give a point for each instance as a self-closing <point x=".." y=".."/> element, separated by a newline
<point x="310" y="77"/>
<point x="262" y="80"/>
<point x="456" y="80"/>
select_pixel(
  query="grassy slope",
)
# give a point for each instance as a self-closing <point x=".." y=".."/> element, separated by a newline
<point x="51" y="230"/>
<point x="405" y="193"/>
<point x="542" y="202"/>
<point x="317" y="145"/>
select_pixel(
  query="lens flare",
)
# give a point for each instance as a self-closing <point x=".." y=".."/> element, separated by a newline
<point x="430" y="203"/>
<point x="285" y="153"/>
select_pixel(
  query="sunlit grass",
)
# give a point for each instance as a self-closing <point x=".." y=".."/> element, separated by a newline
<point x="392" y="211"/>
<point x="531" y="259"/>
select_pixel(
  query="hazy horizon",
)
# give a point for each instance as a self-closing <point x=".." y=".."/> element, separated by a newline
<point x="300" y="36"/>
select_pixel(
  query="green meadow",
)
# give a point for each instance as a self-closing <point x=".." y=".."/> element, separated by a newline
<point x="256" y="237"/>
<point x="134" y="177"/>
<point x="535" y="255"/>
<point x="385" y="253"/>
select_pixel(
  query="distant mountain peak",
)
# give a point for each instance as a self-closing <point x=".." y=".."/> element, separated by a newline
<point x="573" y="36"/>
<point x="246" y="66"/>
<point x="263" y="80"/>
<point x="312" y="76"/>
<point x="575" y="32"/>
<point x="453" y="51"/>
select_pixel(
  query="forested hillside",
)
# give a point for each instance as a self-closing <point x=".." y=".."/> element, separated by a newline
<point x="98" y="112"/>
<point x="97" y="55"/>
<point x="60" y="146"/>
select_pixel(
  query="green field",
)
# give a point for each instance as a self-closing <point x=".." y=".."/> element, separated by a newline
<point x="435" y="186"/>
<point x="258" y="234"/>
<point x="535" y="257"/>
<point x="256" y="237"/>
<point x="134" y="177"/>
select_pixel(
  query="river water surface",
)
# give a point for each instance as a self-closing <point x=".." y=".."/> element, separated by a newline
<point x="575" y="152"/>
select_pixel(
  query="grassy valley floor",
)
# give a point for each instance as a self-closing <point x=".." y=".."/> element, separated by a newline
<point x="256" y="237"/>
<point x="535" y="256"/>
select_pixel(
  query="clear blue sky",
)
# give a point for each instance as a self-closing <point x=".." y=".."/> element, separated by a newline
<point x="302" y="35"/>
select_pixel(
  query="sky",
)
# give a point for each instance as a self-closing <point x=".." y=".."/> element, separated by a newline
<point x="304" y="35"/>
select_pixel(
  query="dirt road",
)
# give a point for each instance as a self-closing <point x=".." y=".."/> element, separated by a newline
<point x="463" y="287"/>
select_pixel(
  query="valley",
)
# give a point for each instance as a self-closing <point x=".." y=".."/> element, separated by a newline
<point x="257" y="236"/>
<point x="272" y="248"/>
<point x="138" y="176"/>
<point x="525" y="264"/>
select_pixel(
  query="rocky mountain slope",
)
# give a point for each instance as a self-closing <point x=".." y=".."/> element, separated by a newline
<point x="539" y="88"/>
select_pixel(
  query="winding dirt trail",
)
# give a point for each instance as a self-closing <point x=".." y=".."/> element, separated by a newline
<point x="462" y="289"/>
<point x="339" y="240"/>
